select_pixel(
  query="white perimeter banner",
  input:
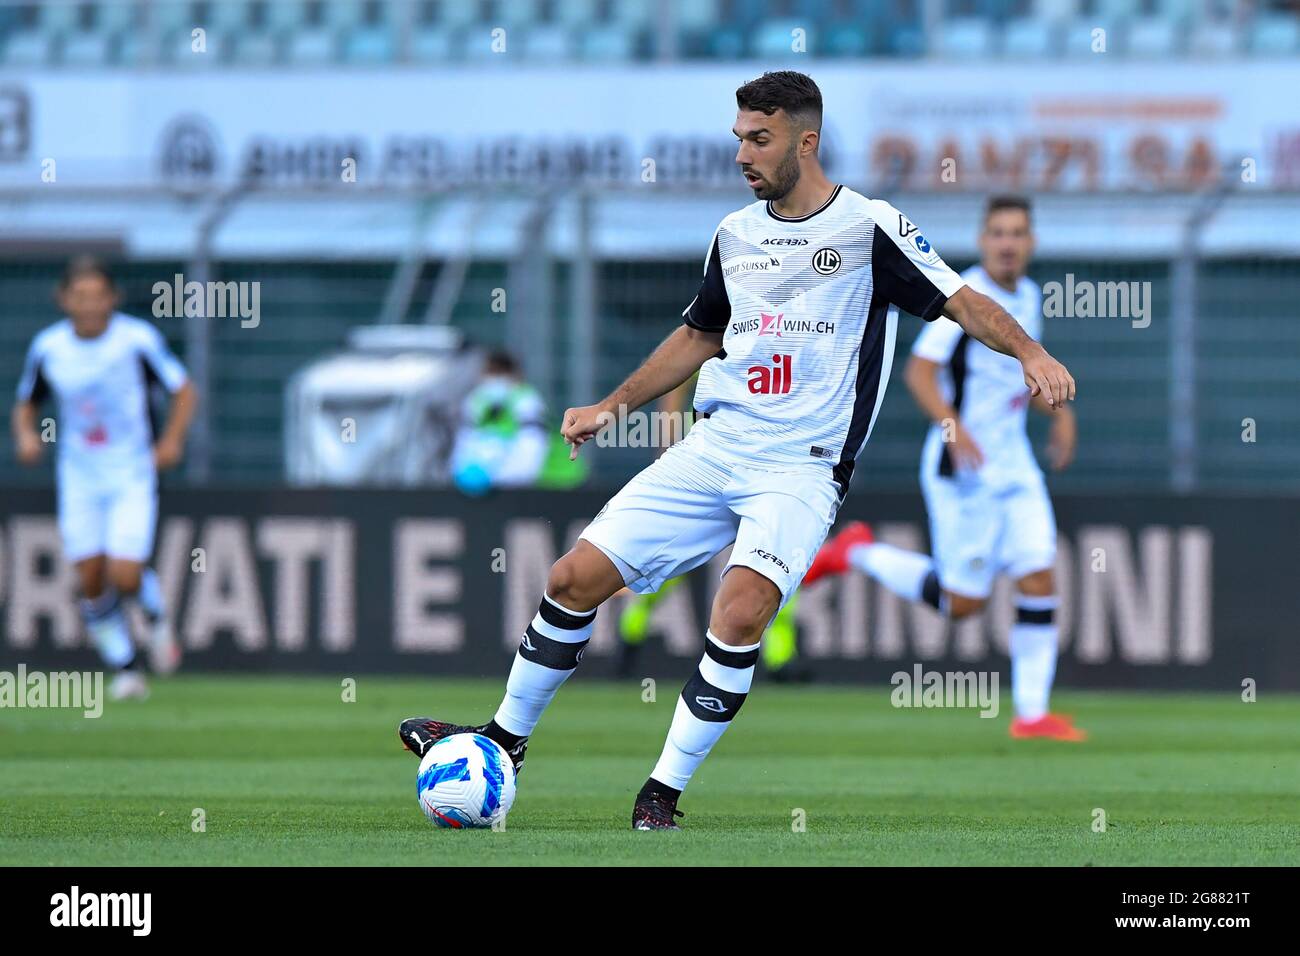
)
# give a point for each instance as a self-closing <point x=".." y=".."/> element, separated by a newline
<point x="1092" y="125"/>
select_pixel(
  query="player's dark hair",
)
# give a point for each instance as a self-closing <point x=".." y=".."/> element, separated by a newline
<point x="788" y="90"/>
<point x="83" y="266"/>
<point x="999" y="203"/>
<point x="499" y="361"/>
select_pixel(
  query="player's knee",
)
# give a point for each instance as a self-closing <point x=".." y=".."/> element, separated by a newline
<point x="91" y="577"/>
<point x="1038" y="584"/>
<point x="125" y="578"/>
<point x="741" y="614"/>
<point x="959" y="605"/>
<point x="570" y="588"/>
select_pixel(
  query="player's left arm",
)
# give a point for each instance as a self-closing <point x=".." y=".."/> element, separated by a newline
<point x="167" y="368"/>
<point x="985" y="320"/>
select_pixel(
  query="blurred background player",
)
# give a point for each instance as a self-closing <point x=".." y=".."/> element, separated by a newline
<point x="98" y="365"/>
<point x="503" y="441"/>
<point x="988" y="503"/>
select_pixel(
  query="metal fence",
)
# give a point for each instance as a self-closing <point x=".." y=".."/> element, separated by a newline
<point x="1207" y="396"/>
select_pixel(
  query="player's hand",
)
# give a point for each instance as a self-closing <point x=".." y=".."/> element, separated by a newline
<point x="582" y="424"/>
<point x="964" y="450"/>
<point x="1062" y="440"/>
<point x="1046" y="376"/>
<point x="29" y="448"/>
<point x="167" y="454"/>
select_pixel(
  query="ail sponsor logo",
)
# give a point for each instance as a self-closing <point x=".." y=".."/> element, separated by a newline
<point x="774" y="379"/>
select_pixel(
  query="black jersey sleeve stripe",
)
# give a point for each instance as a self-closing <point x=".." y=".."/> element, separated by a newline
<point x="957" y="369"/>
<point x="901" y="281"/>
<point x="710" y="310"/>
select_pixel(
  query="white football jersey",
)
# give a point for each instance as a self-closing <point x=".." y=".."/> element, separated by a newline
<point x="808" y="334"/>
<point x="101" y="386"/>
<point x="986" y="387"/>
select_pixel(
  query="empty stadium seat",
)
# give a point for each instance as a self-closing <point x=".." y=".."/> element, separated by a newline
<point x="775" y="39"/>
<point x="311" y="47"/>
<point x="548" y="43"/>
<point x="116" y="15"/>
<point x="457" y="13"/>
<point x="254" y="48"/>
<point x="726" y="43"/>
<point x="1275" y="35"/>
<point x="966" y="38"/>
<point x="1213" y="39"/>
<point x="369" y="45"/>
<point x="575" y="13"/>
<point x="1079" y="39"/>
<point x="178" y="49"/>
<point x="86" y="48"/>
<point x="847" y="40"/>
<point x="1029" y="38"/>
<point x="432" y="44"/>
<point x="608" y="43"/>
<point x="1152" y="37"/>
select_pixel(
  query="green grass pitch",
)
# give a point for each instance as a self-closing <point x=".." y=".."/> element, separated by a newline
<point x="287" y="773"/>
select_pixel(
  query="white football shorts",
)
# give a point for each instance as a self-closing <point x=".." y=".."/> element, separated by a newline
<point x="113" y="518"/>
<point x="978" y="531"/>
<point x="699" y="497"/>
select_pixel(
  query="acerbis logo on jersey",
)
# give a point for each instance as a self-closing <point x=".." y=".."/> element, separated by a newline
<point x="784" y="242"/>
<point x="826" y="262"/>
<point x="773" y="380"/>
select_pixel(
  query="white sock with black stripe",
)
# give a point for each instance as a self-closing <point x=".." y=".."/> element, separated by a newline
<point x="550" y="651"/>
<point x="1033" y="655"/>
<point x="108" y="628"/>
<point x="707" y="705"/>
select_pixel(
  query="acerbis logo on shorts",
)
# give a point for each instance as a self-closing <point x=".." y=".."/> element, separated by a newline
<point x="778" y="325"/>
<point x="769" y="556"/>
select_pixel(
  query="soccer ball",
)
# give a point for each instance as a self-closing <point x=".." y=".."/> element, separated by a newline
<point x="465" y="781"/>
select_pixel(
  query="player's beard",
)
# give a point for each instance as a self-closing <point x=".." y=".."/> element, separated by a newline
<point x="784" y="179"/>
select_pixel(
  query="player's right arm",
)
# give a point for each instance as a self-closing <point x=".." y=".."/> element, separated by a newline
<point x="32" y="390"/>
<point x="676" y="359"/>
<point x="922" y="379"/>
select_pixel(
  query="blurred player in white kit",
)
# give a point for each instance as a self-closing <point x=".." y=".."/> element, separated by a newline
<point x="989" y="509"/>
<point x="98" y="365"/>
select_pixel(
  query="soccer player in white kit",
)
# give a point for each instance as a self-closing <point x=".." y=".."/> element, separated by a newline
<point x="989" y="509"/>
<point x="98" y="364"/>
<point x="792" y="335"/>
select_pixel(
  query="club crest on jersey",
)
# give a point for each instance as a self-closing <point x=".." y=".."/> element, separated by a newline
<point x="774" y="379"/>
<point x="826" y="261"/>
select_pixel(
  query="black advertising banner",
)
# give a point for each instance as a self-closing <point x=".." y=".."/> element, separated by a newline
<point x="1176" y="592"/>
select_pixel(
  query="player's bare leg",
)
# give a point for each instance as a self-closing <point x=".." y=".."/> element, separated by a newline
<point x="1033" y="660"/>
<point x="550" y="651"/>
<point x="742" y="610"/>
<point x="101" y="610"/>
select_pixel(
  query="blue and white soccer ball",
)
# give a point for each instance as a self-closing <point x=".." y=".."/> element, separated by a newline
<point x="465" y="781"/>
